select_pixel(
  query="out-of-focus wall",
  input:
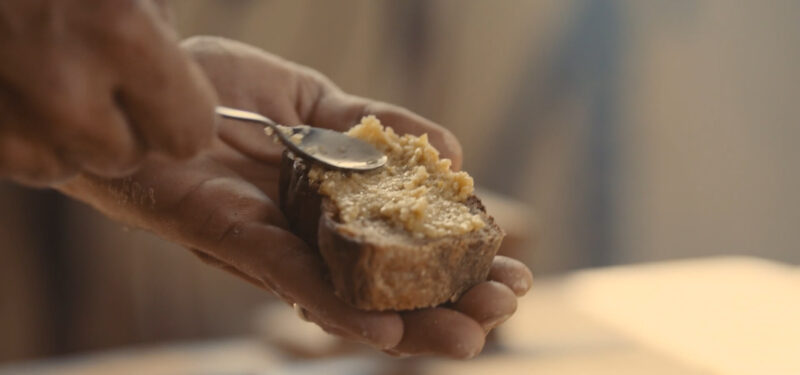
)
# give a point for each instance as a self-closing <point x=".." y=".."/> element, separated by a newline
<point x="72" y="280"/>
<point x="709" y="143"/>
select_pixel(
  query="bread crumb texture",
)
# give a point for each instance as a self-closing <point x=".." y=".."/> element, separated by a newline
<point x="415" y="193"/>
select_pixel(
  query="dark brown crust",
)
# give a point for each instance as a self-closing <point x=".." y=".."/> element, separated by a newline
<point x="373" y="275"/>
<point x="299" y="200"/>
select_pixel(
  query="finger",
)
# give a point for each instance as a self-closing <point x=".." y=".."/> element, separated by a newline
<point x="512" y="273"/>
<point x="31" y="163"/>
<point x="76" y="117"/>
<point x="102" y="143"/>
<point x="440" y="331"/>
<point x="246" y="90"/>
<point x="89" y="132"/>
<point x="328" y="327"/>
<point x="249" y="78"/>
<point x="246" y="77"/>
<point x="340" y="111"/>
<point x="489" y="303"/>
<point x="164" y="95"/>
<point x="295" y="272"/>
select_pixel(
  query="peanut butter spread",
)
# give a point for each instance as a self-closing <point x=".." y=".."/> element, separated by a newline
<point x="415" y="192"/>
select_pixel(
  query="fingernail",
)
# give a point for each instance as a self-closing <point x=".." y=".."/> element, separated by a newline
<point x="375" y="339"/>
<point x="490" y="324"/>
<point x="468" y="353"/>
<point x="522" y="286"/>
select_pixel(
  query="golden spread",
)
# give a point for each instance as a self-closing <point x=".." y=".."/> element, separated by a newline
<point x="415" y="192"/>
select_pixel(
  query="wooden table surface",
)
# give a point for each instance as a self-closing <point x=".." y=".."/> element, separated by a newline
<point x="727" y="316"/>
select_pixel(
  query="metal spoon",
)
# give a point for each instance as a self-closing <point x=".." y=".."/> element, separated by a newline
<point x="327" y="147"/>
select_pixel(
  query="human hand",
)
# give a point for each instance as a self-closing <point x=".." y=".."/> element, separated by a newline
<point x="222" y="205"/>
<point x="94" y="86"/>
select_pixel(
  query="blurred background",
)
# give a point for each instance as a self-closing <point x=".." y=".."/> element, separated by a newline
<point x="632" y="132"/>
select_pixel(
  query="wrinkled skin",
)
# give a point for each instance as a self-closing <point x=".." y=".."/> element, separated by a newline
<point x="222" y="204"/>
<point x="95" y="86"/>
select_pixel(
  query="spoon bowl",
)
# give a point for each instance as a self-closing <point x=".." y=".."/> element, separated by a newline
<point x="327" y="147"/>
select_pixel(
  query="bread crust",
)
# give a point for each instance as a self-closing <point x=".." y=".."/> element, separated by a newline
<point x="372" y="274"/>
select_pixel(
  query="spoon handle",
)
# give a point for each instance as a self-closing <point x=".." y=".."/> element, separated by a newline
<point x="238" y="114"/>
<point x="242" y="115"/>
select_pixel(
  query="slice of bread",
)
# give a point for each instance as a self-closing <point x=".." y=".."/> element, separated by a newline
<point x="385" y="273"/>
<point x="408" y="235"/>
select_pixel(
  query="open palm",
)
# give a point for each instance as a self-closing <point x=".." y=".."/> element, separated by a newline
<point x="222" y="205"/>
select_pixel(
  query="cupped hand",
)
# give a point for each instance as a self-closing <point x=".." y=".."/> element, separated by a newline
<point x="95" y="85"/>
<point x="222" y="205"/>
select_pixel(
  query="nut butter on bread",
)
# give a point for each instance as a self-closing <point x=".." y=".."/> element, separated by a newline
<point x="408" y="235"/>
